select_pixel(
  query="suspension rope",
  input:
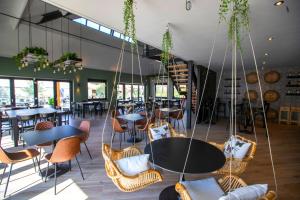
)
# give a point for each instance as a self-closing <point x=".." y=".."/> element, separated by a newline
<point x="248" y="96"/>
<point x="201" y="99"/>
<point x="264" y="114"/>
<point x="218" y="87"/>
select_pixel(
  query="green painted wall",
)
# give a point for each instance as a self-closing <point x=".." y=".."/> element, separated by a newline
<point x="79" y="79"/>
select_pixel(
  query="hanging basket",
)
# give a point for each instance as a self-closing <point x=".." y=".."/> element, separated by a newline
<point x="252" y="78"/>
<point x="271" y="96"/>
<point x="272" y="77"/>
<point x="252" y="95"/>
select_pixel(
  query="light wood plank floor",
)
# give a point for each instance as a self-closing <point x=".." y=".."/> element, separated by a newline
<point x="26" y="184"/>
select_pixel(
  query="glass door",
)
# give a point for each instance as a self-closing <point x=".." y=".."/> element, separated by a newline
<point x="63" y="94"/>
<point x="5" y="96"/>
<point x="24" y="92"/>
<point x="45" y="91"/>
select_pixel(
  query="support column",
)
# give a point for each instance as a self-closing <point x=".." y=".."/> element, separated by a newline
<point x="189" y="95"/>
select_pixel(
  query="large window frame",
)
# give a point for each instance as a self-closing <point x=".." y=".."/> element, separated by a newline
<point x="97" y="81"/>
<point x="139" y="97"/>
<point x="161" y="84"/>
<point x="35" y="88"/>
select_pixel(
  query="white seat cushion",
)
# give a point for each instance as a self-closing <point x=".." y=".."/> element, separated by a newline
<point x="133" y="165"/>
<point x="206" y="189"/>
<point x="236" y="148"/>
<point x="160" y="132"/>
<point x="251" y="192"/>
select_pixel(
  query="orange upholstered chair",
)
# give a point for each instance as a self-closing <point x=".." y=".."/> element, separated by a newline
<point x="11" y="158"/>
<point x="43" y="126"/>
<point x="65" y="150"/>
<point x="85" y="126"/>
<point x="117" y="128"/>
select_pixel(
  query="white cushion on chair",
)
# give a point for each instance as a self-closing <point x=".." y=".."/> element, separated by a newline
<point x="251" y="192"/>
<point x="207" y="189"/>
<point x="236" y="148"/>
<point x="133" y="165"/>
<point x="160" y="132"/>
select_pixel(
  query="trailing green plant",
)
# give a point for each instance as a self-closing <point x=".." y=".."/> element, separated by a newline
<point x="67" y="56"/>
<point x="166" y="47"/>
<point x="238" y="19"/>
<point x="39" y="52"/>
<point x="129" y="21"/>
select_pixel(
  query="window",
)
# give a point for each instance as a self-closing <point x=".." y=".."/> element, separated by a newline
<point x="101" y="28"/>
<point x="5" y="98"/>
<point x="92" y="25"/>
<point x="80" y="21"/>
<point x="117" y="34"/>
<point x="105" y="30"/>
<point x="135" y="92"/>
<point x="63" y="94"/>
<point x="141" y="92"/>
<point x="120" y="91"/>
<point x="96" y="89"/>
<point x="24" y="92"/>
<point x="45" y="93"/>
<point x="175" y="93"/>
<point x="128" y="92"/>
<point x="161" y="90"/>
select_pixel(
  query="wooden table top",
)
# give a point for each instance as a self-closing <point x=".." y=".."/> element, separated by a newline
<point x="39" y="137"/>
<point x="131" y="117"/>
<point x="34" y="111"/>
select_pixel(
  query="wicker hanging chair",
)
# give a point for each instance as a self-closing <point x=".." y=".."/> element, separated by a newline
<point x="226" y="183"/>
<point x="237" y="166"/>
<point x="173" y="133"/>
<point x="123" y="182"/>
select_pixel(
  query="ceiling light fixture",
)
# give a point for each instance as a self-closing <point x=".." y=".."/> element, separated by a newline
<point x="278" y="3"/>
<point x="264" y="62"/>
<point x="266" y="54"/>
<point x="188" y="5"/>
<point x="270" y="38"/>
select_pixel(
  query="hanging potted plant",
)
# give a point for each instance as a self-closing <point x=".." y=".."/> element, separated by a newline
<point x="238" y="20"/>
<point x="68" y="62"/>
<point x="129" y="21"/>
<point x="32" y="56"/>
<point x="166" y="47"/>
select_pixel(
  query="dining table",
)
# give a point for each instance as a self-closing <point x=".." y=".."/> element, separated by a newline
<point x="133" y="118"/>
<point x="54" y="134"/>
<point x="13" y="114"/>
<point x="170" y="154"/>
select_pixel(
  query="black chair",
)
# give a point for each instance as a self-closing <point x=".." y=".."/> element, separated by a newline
<point x="26" y="123"/>
<point x="260" y="112"/>
<point x="76" y="109"/>
<point x="99" y="108"/>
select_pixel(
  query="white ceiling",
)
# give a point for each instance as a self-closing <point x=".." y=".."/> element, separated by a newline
<point x="193" y="31"/>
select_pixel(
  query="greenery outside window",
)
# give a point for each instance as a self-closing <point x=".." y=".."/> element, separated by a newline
<point x="161" y="90"/>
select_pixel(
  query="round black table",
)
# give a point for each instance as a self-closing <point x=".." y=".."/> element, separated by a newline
<point x="170" y="154"/>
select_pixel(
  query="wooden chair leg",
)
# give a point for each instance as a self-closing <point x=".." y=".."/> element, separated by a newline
<point x="34" y="164"/>
<point x="8" y="180"/>
<point x="120" y="136"/>
<point x="88" y="151"/>
<point x="55" y="178"/>
<point x="46" y="173"/>
<point x="70" y="165"/>
<point x="3" y="174"/>
<point x="79" y="168"/>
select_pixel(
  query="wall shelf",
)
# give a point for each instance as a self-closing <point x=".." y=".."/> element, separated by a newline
<point x="294" y="85"/>
<point x="292" y="94"/>
<point x="292" y="77"/>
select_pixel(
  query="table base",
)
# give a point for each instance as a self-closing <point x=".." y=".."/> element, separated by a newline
<point x="132" y="140"/>
<point x="169" y="193"/>
<point x="60" y="170"/>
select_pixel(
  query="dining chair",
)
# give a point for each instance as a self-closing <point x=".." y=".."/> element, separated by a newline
<point x="117" y="128"/>
<point x="143" y="126"/>
<point x="43" y="126"/>
<point x="178" y="116"/>
<point x="48" y="117"/>
<point x="11" y="158"/>
<point x="115" y="113"/>
<point x="85" y="126"/>
<point x="65" y="150"/>
<point x="26" y="123"/>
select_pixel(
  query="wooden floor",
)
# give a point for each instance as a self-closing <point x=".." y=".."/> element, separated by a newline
<point x="285" y="139"/>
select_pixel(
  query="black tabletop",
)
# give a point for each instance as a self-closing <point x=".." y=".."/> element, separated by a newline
<point x="170" y="154"/>
<point x="35" y="111"/>
<point x="131" y="117"/>
<point x="39" y="137"/>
